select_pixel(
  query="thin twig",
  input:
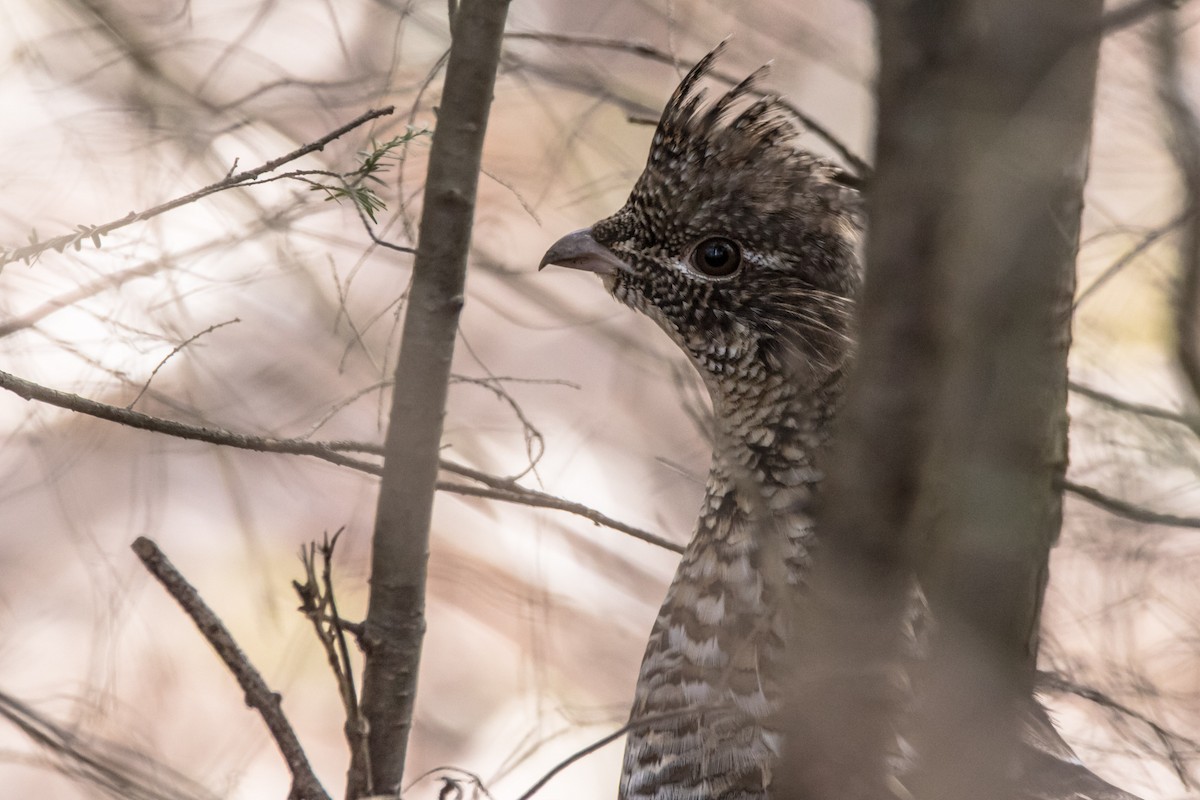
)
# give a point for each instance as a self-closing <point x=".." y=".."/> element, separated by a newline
<point x="259" y="696"/>
<point x="333" y="410"/>
<point x="856" y="163"/>
<point x="318" y="604"/>
<point x="1143" y="244"/>
<point x="535" y="442"/>
<point x="532" y="497"/>
<point x="93" y="232"/>
<point x="505" y="489"/>
<point x="1128" y="510"/>
<point x="1141" y="409"/>
<point x="356" y="726"/>
<point x="146" y="386"/>
<point x="471" y="776"/>
<point x="1184" y="142"/>
<point x="632" y="725"/>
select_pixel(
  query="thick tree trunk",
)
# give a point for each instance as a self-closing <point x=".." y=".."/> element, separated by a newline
<point x="952" y="445"/>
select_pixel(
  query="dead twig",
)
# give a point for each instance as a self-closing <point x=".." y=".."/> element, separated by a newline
<point x="318" y="604"/>
<point x="259" y="696"/>
<point x="176" y="349"/>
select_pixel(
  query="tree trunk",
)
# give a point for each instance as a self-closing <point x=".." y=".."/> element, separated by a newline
<point x="395" y="623"/>
<point x="950" y="451"/>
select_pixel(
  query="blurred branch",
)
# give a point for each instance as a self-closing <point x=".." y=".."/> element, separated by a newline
<point x="1127" y="258"/>
<point x="855" y="162"/>
<point x="118" y="279"/>
<point x="1133" y="13"/>
<point x="82" y="292"/>
<point x="505" y="489"/>
<point x="395" y="622"/>
<point x="1188" y="421"/>
<point x="112" y="769"/>
<point x="452" y="786"/>
<point x="258" y="695"/>
<point x="36" y="247"/>
<point x="1128" y="510"/>
<point x="1184" y="142"/>
<point x="1172" y="742"/>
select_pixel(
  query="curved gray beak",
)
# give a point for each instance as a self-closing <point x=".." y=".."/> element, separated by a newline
<point x="579" y="250"/>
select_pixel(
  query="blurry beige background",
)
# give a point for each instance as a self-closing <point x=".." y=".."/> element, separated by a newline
<point x="536" y="619"/>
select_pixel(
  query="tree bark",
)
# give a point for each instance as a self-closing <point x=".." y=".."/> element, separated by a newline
<point x="950" y="451"/>
<point x="395" y="623"/>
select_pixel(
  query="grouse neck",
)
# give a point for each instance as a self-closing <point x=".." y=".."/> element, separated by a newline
<point x="771" y="434"/>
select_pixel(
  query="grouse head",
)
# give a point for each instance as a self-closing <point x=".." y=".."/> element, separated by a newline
<point x="739" y="245"/>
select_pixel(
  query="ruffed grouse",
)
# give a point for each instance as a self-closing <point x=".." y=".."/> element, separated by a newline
<point x="744" y="250"/>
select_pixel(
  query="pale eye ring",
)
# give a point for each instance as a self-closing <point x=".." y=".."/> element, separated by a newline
<point x="717" y="257"/>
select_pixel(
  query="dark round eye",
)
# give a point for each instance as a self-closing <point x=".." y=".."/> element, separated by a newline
<point x="717" y="257"/>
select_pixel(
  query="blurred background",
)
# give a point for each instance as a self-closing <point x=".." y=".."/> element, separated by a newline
<point x="289" y="313"/>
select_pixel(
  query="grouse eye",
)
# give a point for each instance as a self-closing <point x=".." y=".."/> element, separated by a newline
<point x="717" y="257"/>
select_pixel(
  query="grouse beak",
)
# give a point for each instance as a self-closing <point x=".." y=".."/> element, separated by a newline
<point x="579" y="250"/>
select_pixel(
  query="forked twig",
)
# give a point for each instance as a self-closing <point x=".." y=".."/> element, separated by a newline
<point x="318" y="604"/>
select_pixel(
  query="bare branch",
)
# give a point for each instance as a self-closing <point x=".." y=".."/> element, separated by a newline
<point x="94" y="232"/>
<point x="855" y="162"/>
<point x="1128" y="510"/>
<point x="506" y="489"/>
<point x="259" y="696"/>
<point x="136" y="419"/>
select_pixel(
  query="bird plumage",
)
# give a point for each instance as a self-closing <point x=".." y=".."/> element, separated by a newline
<point x="744" y="250"/>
